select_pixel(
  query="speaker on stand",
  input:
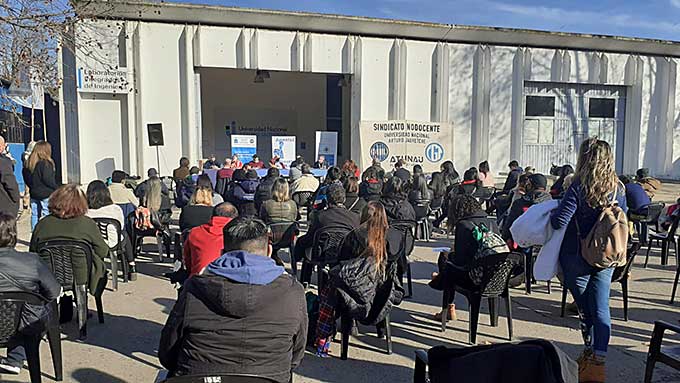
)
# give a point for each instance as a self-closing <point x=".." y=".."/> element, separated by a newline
<point x="156" y="139"/>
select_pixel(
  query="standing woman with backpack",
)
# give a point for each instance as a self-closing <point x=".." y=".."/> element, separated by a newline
<point x="41" y="180"/>
<point x="590" y="197"/>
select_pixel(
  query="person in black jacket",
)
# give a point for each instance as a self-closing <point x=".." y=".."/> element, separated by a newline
<point x="336" y="215"/>
<point x="243" y="314"/>
<point x="355" y="284"/>
<point x="9" y="189"/>
<point x="371" y="185"/>
<point x="535" y="193"/>
<point x="513" y="176"/>
<point x="401" y="172"/>
<point x="465" y="215"/>
<point x="243" y="193"/>
<point x="41" y="180"/>
<point x="32" y="274"/>
<point x="264" y="189"/>
<point x="396" y="205"/>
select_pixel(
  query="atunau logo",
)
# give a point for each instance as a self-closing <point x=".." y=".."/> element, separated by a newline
<point x="434" y="152"/>
<point x="379" y="151"/>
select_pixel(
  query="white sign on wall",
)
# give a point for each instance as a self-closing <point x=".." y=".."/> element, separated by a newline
<point x="284" y="148"/>
<point x="427" y="144"/>
<point x="244" y="146"/>
<point x="327" y="146"/>
<point x="104" y="80"/>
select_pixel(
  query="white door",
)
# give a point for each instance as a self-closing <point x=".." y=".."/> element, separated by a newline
<point x="559" y="116"/>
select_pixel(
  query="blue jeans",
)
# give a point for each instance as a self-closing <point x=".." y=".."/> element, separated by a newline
<point x="38" y="210"/>
<point x="16" y="355"/>
<point x="590" y="287"/>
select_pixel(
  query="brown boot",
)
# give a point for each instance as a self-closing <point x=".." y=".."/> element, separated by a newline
<point x="450" y="314"/>
<point x="591" y="369"/>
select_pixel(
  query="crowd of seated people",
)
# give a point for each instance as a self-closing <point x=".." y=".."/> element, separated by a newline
<point x="235" y="287"/>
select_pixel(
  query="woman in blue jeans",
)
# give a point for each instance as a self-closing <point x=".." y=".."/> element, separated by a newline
<point x="41" y="180"/>
<point x="595" y="186"/>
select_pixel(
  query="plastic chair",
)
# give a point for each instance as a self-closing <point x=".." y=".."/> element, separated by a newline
<point x="220" y="378"/>
<point x="408" y="244"/>
<point x="621" y="274"/>
<point x="283" y="237"/>
<point x="304" y="200"/>
<point x="348" y="327"/>
<point x="484" y="194"/>
<point x="497" y="270"/>
<point x="137" y="236"/>
<point x="422" y="209"/>
<point x="116" y="252"/>
<point x="665" y="239"/>
<point x="649" y="215"/>
<point x="63" y="257"/>
<point x="669" y="355"/>
<point x="11" y="305"/>
<point x="324" y="251"/>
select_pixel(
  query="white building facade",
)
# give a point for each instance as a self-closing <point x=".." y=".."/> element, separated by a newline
<point x="487" y="94"/>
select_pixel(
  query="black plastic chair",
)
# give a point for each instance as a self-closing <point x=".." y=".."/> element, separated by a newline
<point x="63" y="257"/>
<point x="407" y="246"/>
<point x="348" y="327"/>
<point x="116" y="253"/>
<point x="304" y="200"/>
<point x="422" y="209"/>
<point x="496" y="274"/>
<point x="621" y="274"/>
<point x="484" y="194"/>
<point x="529" y="280"/>
<point x="669" y="356"/>
<point x="283" y="235"/>
<point x="220" y="378"/>
<point x="11" y="306"/>
<point x="137" y="236"/>
<point x="649" y="215"/>
<point x="665" y="239"/>
<point x="324" y="251"/>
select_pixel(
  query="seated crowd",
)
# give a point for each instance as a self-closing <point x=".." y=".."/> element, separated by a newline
<point x="239" y="311"/>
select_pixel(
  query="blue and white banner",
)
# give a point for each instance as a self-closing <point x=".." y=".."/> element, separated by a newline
<point x="243" y="146"/>
<point x="284" y="148"/>
<point x="423" y="143"/>
<point x="327" y="146"/>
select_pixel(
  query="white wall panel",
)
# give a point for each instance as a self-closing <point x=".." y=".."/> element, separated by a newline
<point x="419" y="79"/>
<point x="375" y="78"/>
<point x="460" y="101"/>
<point x="328" y="52"/>
<point x="102" y="124"/>
<point x="160" y="91"/>
<point x="541" y="63"/>
<point x="218" y="46"/>
<point x="675" y="126"/>
<point x="500" y="109"/>
<point x="275" y="50"/>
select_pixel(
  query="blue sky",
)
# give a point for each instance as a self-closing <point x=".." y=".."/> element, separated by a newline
<point x="641" y="18"/>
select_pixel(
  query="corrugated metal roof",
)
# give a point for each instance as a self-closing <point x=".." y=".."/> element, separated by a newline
<point x="366" y="26"/>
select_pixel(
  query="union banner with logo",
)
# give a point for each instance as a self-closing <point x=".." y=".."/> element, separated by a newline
<point x="427" y="144"/>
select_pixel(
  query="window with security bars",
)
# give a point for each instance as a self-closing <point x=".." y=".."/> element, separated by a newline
<point x="540" y="106"/>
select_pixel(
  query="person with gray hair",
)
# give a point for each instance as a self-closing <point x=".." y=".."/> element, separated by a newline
<point x="244" y="314"/>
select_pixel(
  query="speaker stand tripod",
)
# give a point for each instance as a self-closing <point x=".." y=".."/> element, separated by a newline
<point x="158" y="160"/>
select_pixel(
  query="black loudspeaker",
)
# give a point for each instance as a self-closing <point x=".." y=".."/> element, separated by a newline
<point x="155" y="134"/>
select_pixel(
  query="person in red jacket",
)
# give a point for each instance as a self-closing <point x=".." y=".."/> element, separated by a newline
<point x="256" y="163"/>
<point x="205" y="242"/>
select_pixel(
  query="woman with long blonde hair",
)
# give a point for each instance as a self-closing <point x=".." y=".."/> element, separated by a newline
<point x="41" y="180"/>
<point x="199" y="211"/>
<point x="595" y="186"/>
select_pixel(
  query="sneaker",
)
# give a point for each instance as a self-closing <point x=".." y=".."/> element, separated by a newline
<point x="7" y="368"/>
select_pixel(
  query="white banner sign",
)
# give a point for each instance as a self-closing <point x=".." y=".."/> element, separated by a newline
<point x="284" y="148"/>
<point x="104" y="80"/>
<point x="427" y="144"/>
<point x="244" y="147"/>
<point x="327" y="146"/>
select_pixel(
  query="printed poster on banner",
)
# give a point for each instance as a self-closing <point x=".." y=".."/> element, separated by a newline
<point x="244" y="146"/>
<point x="284" y="148"/>
<point x="427" y="144"/>
<point x="327" y="146"/>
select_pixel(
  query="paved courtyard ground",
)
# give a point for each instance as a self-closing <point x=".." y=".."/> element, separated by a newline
<point x="124" y="348"/>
